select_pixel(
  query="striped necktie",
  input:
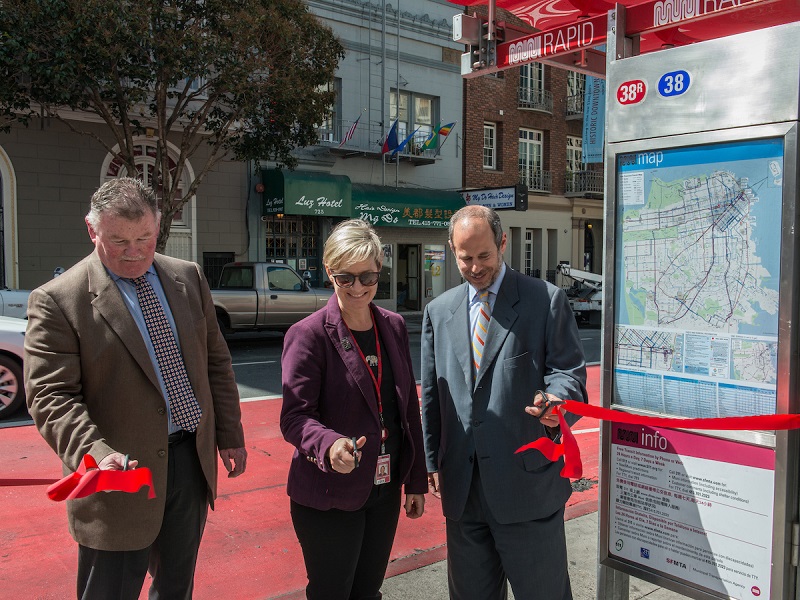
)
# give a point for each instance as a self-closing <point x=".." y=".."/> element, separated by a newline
<point x="481" y="328"/>
<point x="183" y="405"/>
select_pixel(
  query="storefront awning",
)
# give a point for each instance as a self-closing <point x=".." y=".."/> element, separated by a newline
<point x="305" y="193"/>
<point x="404" y="207"/>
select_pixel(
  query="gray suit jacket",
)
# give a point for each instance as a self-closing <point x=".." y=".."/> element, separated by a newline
<point x="92" y="389"/>
<point x="533" y="343"/>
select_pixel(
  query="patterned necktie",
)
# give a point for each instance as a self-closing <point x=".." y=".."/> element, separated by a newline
<point x="481" y="327"/>
<point x="184" y="408"/>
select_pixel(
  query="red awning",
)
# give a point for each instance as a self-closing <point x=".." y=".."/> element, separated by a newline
<point x="657" y="23"/>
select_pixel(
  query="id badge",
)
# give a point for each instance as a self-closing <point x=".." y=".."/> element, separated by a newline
<point x="383" y="470"/>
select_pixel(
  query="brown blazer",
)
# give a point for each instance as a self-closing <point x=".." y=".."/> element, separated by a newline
<point x="92" y="388"/>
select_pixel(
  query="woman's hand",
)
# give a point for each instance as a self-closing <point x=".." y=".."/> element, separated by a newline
<point x="342" y="454"/>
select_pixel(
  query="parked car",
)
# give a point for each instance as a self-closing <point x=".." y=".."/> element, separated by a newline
<point x="14" y="303"/>
<point x="262" y="296"/>
<point x="12" y="390"/>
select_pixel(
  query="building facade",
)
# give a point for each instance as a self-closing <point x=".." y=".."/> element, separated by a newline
<point x="400" y="79"/>
<point x="401" y="68"/>
<point x="524" y="126"/>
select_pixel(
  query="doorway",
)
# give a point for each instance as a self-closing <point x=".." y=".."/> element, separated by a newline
<point x="408" y="277"/>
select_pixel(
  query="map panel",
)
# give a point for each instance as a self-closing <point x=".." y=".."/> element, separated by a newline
<point x="698" y="258"/>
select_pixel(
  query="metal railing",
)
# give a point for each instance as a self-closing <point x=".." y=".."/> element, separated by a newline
<point x="536" y="179"/>
<point x="369" y="138"/>
<point x="573" y="105"/>
<point x="535" y="99"/>
<point x="583" y="182"/>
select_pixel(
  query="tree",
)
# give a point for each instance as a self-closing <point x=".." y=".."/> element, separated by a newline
<point x="247" y="78"/>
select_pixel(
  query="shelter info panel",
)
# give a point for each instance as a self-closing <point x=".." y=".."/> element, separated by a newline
<point x="694" y="508"/>
<point x="698" y="260"/>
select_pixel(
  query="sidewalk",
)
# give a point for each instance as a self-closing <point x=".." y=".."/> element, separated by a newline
<point x="430" y="582"/>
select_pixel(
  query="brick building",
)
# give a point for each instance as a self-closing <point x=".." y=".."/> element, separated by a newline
<point x="524" y="126"/>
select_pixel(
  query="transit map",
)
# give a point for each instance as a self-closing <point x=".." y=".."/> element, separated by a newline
<point x="698" y="261"/>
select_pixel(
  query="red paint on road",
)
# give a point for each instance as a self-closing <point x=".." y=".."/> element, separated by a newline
<point x="249" y="549"/>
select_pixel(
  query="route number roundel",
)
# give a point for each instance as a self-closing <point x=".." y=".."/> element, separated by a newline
<point x="631" y="92"/>
<point x="674" y="83"/>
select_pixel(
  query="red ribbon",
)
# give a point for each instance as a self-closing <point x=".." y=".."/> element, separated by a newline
<point x="573" y="467"/>
<point x="88" y="479"/>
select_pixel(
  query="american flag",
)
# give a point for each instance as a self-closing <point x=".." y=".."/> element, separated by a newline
<point x="350" y="132"/>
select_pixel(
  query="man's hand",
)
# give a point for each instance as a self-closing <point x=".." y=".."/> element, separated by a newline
<point x="238" y="456"/>
<point x="342" y="455"/>
<point x="433" y="485"/>
<point x="116" y="462"/>
<point x="415" y="505"/>
<point x="543" y="409"/>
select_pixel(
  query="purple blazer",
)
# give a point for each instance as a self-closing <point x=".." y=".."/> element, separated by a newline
<point x="328" y="393"/>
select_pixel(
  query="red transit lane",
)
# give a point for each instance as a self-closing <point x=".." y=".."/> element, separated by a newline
<point x="249" y="550"/>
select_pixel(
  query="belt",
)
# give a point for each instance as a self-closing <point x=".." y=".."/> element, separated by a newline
<point x="179" y="437"/>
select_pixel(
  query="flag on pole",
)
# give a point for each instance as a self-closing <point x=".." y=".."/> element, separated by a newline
<point x="349" y="135"/>
<point x="390" y="143"/>
<point x="432" y="140"/>
<point x="445" y="130"/>
<point x="404" y="142"/>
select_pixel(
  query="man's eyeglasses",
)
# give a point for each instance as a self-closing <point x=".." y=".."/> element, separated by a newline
<point x="346" y="280"/>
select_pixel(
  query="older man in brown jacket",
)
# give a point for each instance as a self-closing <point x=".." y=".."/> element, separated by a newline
<point x="98" y="383"/>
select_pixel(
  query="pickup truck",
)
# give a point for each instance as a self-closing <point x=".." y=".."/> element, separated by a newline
<point x="262" y="296"/>
<point x="14" y="303"/>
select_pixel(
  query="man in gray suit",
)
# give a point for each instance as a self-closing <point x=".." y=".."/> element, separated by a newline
<point x="504" y="511"/>
<point x="124" y="358"/>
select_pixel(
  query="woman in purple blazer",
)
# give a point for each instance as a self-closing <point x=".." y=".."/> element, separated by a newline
<point x="351" y="410"/>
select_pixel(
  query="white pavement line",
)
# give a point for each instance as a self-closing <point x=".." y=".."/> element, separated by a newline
<point x="592" y="430"/>
<point x="258" y="398"/>
<point x="262" y="362"/>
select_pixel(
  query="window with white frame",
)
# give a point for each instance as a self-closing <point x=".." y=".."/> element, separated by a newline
<point x="531" y="86"/>
<point x="145" y="159"/>
<point x="489" y="145"/>
<point x="531" y="77"/>
<point x="416" y="113"/>
<point x="574" y="156"/>
<point x="528" y="252"/>
<point x="333" y="128"/>
<point x="531" y="144"/>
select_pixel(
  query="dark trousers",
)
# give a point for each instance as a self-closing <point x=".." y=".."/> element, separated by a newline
<point x="483" y="556"/>
<point x="346" y="552"/>
<point x="171" y="559"/>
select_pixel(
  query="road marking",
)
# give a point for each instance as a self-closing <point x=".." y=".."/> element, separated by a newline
<point x="592" y="430"/>
<point x="262" y="362"/>
<point x="257" y="398"/>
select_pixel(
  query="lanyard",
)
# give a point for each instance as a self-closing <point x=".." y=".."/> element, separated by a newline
<point x="375" y="380"/>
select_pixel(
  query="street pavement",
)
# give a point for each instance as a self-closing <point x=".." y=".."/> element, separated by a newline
<point x="430" y="582"/>
<point x="249" y="550"/>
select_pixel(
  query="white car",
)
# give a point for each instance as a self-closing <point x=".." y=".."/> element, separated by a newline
<point x="12" y="390"/>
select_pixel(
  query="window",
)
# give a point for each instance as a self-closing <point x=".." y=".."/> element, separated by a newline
<point x="281" y="279"/>
<point x="145" y="159"/>
<point x="332" y="129"/>
<point x="574" y="161"/>
<point x="213" y="263"/>
<point x="237" y="278"/>
<point x="576" y="88"/>
<point x="416" y="113"/>
<point x="489" y="146"/>
<point x="531" y="88"/>
<point x="530" y="160"/>
<point x="531" y="77"/>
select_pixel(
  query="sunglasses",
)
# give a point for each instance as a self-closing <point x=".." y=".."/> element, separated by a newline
<point x="346" y="280"/>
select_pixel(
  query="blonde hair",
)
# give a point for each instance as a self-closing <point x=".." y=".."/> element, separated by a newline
<point x="351" y="242"/>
